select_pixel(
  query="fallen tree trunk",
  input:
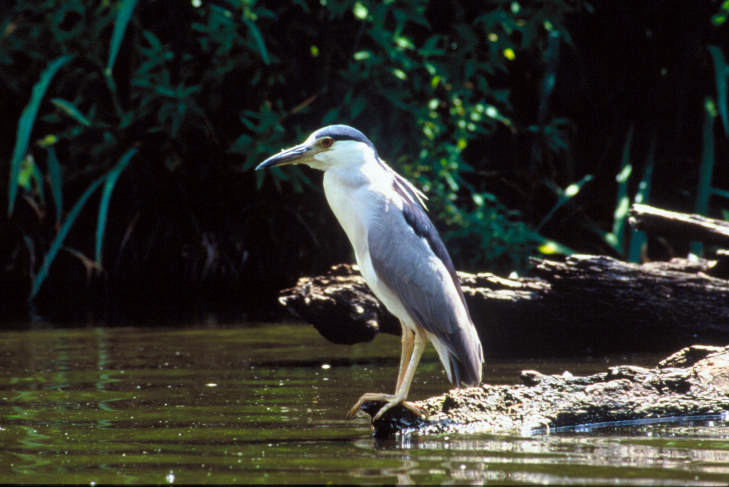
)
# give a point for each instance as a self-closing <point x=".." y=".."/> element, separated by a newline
<point x="584" y="305"/>
<point x="693" y="381"/>
<point x="682" y="226"/>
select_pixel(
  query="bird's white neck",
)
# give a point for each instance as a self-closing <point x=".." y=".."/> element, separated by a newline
<point x="352" y="191"/>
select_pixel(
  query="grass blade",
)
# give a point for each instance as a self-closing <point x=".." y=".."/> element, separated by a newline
<point x="120" y="26"/>
<point x="111" y="178"/>
<point x="25" y="126"/>
<point x="721" y="71"/>
<point x="623" y="202"/>
<point x="60" y="237"/>
<point x="637" y="237"/>
<point x="71" y="110"/>
<point x="56" y="182"/>
<point x="703" y="191"/>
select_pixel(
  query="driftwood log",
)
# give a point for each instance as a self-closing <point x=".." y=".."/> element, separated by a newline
<point x="585" y="304"/>
<point x="689" y="383"/>
<point x="683" y="226"/>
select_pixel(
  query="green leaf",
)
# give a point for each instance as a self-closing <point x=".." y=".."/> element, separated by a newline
<point x="71" y="110"/>
<point x="721" y="71"/>
<point x="569" y="192"/>
<point x="26" y="173"/>
<point x="357" y="106"/>
<point x="359" y="11"/>
<point x="399" y="74"/>
<point x="241" y="145"/>
<point x="362" y="55"/>
<point x="258" y="38"/>
<point x="111" y="178"/>
<point x="120" y="26"/>
<point x="56" y="182"/>
<point x="551" y="247"/>
<point x="330" y="116"/>
<point x="60" y="237"/>
<point x="25" y="126"/>
<point x="720" y="192"/>
<point x="47" y="141"/>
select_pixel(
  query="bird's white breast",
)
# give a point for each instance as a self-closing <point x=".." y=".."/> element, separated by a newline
<point x="355" y="198"/>
<point x="348" y="199"/>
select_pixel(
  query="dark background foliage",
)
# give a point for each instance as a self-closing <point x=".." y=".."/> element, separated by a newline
<point x="514" y="117"/>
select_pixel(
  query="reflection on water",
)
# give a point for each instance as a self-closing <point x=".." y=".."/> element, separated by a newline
<point x="266" y="404"/>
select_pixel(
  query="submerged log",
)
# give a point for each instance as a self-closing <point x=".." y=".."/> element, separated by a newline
<point x="584" y="305"/>
<point x="693" y="381"/>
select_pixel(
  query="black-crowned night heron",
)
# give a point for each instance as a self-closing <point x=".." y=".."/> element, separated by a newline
<point x="399" y="252"/>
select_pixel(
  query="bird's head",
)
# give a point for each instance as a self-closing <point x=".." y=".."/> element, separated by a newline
<point x="330" y="146"/>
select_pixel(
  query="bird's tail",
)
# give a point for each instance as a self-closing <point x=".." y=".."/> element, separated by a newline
<point x="463" y="359"/>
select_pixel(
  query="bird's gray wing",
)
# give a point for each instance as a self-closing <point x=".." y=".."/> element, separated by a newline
<point x="409" y="257"/>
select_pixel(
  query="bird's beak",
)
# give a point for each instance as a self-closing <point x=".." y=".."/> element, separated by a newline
<point x="287" y="156"/>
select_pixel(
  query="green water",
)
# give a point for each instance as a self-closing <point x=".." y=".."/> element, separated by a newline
<point x="266" y="403"/>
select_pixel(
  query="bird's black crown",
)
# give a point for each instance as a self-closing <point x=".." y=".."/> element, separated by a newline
<point x="342" y="132"/>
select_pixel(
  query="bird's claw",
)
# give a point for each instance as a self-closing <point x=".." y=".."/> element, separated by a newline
<point x="390" y="401"/>
<point x="370" y="396"/>
<point x="406" y="404"/>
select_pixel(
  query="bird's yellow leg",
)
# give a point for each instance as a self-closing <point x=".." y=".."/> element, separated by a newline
<point x="401" y="393"/>
<point x="408" y="337"/>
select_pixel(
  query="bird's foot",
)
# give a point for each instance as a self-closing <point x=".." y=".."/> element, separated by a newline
<point x="390" y="400"/>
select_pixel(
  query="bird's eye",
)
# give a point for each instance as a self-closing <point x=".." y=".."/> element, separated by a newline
<point x="327" y="142"/>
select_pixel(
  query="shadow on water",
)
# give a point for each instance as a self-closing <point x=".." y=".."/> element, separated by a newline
<point x="259" y="403"/>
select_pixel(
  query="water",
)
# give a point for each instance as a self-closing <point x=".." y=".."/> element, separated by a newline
<point x="266" y="404"/>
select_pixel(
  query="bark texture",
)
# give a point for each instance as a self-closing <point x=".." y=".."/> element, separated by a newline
<point x="683" y="226"/>
<point x="584" y="304"/>
<point x="693" y="381"/>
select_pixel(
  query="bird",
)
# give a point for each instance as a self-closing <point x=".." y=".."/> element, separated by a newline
<point x="399" y="253"/>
